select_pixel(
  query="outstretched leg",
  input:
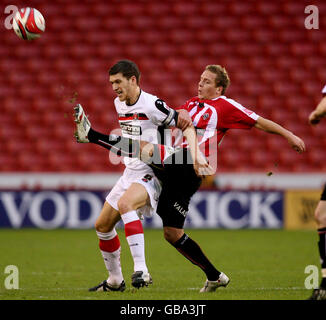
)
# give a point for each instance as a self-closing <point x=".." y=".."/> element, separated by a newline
<point x="152" y="154"/>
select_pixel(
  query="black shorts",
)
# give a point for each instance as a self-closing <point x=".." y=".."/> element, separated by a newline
<point x="179" y="183"/>
<point x="323" y="195"/>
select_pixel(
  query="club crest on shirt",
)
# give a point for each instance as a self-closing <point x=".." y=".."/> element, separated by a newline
<point x="205" y="116"/>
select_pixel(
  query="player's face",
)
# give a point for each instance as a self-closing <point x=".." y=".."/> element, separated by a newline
<point x="206" y="87"/>
<point x="122" y="86"/>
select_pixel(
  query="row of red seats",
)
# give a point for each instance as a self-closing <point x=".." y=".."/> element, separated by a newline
<point x="277" y="68"/>
<point x="179" y="8"/>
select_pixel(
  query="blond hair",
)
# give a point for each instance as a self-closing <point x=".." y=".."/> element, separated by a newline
<point x="222" y="78"/>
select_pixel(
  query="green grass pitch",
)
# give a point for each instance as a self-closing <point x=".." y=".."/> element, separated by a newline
<point x="63" y="264"/>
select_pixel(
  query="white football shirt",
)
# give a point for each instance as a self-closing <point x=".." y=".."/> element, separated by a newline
<point x="148" y="119"/>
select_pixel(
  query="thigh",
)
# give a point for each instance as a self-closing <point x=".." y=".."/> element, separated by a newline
<point x="179" y="185"/>
<point x="115" y="194"/>
<point x="107" y="219"/>
<point x="173" y="210"/>
<point x="153" y="188"/>
<point x="135" y="196"/>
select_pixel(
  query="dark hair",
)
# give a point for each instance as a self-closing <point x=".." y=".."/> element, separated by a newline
<point x="222" y="78"/>
<point x="127" y="68"/>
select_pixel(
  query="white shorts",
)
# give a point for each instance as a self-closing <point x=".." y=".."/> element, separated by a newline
<point x="144" y="177"/>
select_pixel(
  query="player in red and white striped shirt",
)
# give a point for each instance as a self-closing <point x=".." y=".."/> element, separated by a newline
<point x="213" y="114"/>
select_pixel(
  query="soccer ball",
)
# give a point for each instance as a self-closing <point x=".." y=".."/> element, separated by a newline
<point x="28" y="23"/>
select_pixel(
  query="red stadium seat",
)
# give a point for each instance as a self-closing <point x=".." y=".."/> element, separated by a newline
<point x="241" y="8"/>
<point x="196" y="22"/>
<point x="210" y="9"/>
<point x="115" y="22"/>
<point x="276" y="49"/>
<point x="83" y="25"/>
<point x="142" y="23"/>
<point x="260" y="62"/>
<point x="269" y="8"/>
<point x="302" y="49"/>
<point x="130" y="9"/>
<point x="253" y="22"/>
<point x="184" y="8"/>
<point x="168" y="22"/>
<point x="280" y="21"/>
<point x="264" y="159"/>
<point x="227" y="23"/>
<point x="157" y="8"/>
<point x="293" y="7"/>
<point x="262" y="35"/>
<point x="286" y="88"/>
<point x="257" y="88"/>
<point x="287" y="62"/>
<point x="237" y="35"/>
<point x="181" y="35"/>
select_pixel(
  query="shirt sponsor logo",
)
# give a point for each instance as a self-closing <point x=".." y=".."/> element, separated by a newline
<point x="131" y="129"/>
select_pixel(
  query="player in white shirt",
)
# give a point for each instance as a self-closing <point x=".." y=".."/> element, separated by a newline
<point x="141" y="115"/>
<point x="320" y="213"/>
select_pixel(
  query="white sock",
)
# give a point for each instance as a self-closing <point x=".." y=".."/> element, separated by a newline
<point x="110" y="248"/>
<point x="135" y="238"/>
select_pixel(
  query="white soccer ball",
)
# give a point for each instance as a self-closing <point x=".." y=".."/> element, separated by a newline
<point x="28" y="23"/>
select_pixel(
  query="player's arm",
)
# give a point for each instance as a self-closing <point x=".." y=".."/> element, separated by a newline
<point x="318" y="113"/>
<point x="272" y="127"/>
<point x="183" y="119"/>
<point x="201" y="166"/>
<point x="162" y="114"/>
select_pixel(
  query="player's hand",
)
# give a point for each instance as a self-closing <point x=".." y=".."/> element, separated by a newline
<point x="202" y="168"/>
<point x="184" y="120"/>
<point x="296" y="143"/>
<point x="313" y="119"/>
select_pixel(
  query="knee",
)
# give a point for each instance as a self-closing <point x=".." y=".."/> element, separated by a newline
<point x="171" y="236"/>
<point x="101" y="227"/>
<point x="124" y="205"/>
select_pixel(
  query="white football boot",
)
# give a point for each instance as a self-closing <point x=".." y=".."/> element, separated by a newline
<point x="211" y="286"/>
<point x="83" y="124"/>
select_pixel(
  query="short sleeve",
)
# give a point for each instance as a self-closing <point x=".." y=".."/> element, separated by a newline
<point x="236" y="116"/>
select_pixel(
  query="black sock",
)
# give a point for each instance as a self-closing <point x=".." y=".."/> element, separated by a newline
<point x="124" y="146"/>
<point x="117" y="144"/>
<point x="191" y="250"/>
<point x="322" y="252"/>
